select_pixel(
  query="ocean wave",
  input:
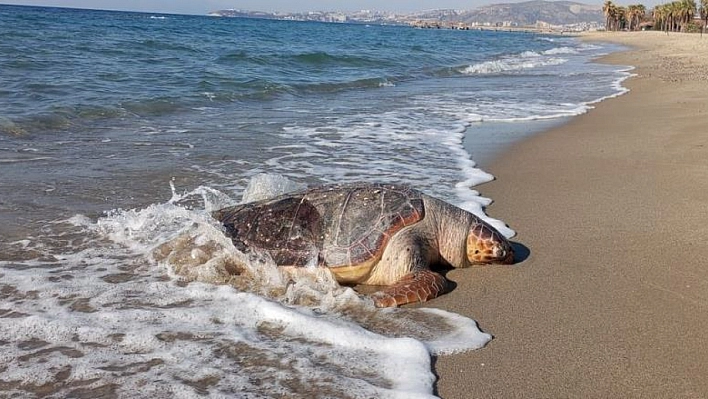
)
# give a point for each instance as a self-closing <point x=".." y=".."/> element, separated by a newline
<point x="59" y="119"/>
<point x="212" y="91"/>
<point x="561" y="50"/>
<point x="163" y="45"/>
<point x="589" y="47"/>
<point x="242" y="56"/>
<point x="152" y="107"/>
<point x="553" y="51"/>
<point x="298" y="61"/>
<point x="18" y="160"/>
<point x="358" y="84"/>
<point x="323" y="58"/>
<point x="529" y="54"/>
<point x="625" y="73"/>
<point x="526" y="61"/>
<point x="571" y="110"/>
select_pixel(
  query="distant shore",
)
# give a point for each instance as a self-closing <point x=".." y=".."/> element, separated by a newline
<point x="462" y="26"/>
<point x="609" y="298"/>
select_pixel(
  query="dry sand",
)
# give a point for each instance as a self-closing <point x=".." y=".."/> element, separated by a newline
<point x="610" y="299"/>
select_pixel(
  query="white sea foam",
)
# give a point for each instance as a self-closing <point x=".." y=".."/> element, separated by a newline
<point x="560" y="50"/>
<point x="265" y="185"/>
<point x="625" y="73"/>
<point x="529" y="54"/>
<point x="526" y="60"/>
<point x="158" y="303"/>
<point x="562" y="111"/>
<point x="588" y="47"/>
<point x="393" y="150"/>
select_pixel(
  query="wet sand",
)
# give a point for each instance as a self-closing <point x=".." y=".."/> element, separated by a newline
<point x="609" y="298"/>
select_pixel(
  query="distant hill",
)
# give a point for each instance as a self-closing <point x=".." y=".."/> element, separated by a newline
<point x="522" y="14"/>
<point x="530" y="12"/>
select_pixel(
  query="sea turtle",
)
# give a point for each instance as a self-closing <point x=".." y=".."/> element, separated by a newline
<point x="371" y="234"/>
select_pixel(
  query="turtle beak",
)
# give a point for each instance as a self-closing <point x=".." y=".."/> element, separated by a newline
<point x="506" y="256"/>
<point x="504" y="253"/>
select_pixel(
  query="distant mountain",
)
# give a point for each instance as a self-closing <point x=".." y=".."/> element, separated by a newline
<point x="530" y="12"/>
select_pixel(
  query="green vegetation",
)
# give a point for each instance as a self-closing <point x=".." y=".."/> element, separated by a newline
<point x="621" y="18"/>
<point x="677" y="16"/>
<point x="703" y="12"/>
<point x="674" y="17"/>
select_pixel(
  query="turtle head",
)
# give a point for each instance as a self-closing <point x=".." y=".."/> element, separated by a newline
<point x="486" y="245"/>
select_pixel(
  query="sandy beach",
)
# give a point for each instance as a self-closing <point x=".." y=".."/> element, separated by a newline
<point x="609" y="296"/>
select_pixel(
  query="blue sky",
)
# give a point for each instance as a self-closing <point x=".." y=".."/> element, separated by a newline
<point x="204" y="6"/>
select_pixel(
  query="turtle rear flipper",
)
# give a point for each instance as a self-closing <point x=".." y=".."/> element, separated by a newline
<point x="418" y="286"/>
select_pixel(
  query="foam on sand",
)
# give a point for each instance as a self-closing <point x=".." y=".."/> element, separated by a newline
<point x="158" y="302"/>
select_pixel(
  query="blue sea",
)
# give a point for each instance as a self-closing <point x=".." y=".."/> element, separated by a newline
<point x="120" y="132"/>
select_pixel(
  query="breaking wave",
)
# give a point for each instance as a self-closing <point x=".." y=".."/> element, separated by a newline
<point x="528" y="60"/>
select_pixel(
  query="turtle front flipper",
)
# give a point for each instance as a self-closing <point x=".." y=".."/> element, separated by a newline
<point x="418" y="286"/>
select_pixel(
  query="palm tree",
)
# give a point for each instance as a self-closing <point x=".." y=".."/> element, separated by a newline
<point x="608" y="9"/>
<point x="672" y="10"/>
<point x="641" y="13"/>
<point x="675" y="16"/>
<point x="614" y="16"/>
<point x="703" y="12"/>
<point x="631" y="16"/>
<point x="635" y="15"/>
<point x="686" y="11"/>
<point x="620" y="18"/>
<point x="658" y="14"/>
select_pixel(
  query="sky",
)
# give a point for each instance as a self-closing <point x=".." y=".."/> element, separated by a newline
<point x="204" y="6"/>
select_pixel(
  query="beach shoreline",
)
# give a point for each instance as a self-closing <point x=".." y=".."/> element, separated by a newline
<point x="609" y="295"/>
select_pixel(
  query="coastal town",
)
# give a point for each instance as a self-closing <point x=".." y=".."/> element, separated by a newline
<point x="534" y="15"/>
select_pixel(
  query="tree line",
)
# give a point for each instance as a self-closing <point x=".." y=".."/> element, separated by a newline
<point x="676" y="16"/>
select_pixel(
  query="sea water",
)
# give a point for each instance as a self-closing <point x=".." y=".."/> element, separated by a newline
<point x="121" y="132"/>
